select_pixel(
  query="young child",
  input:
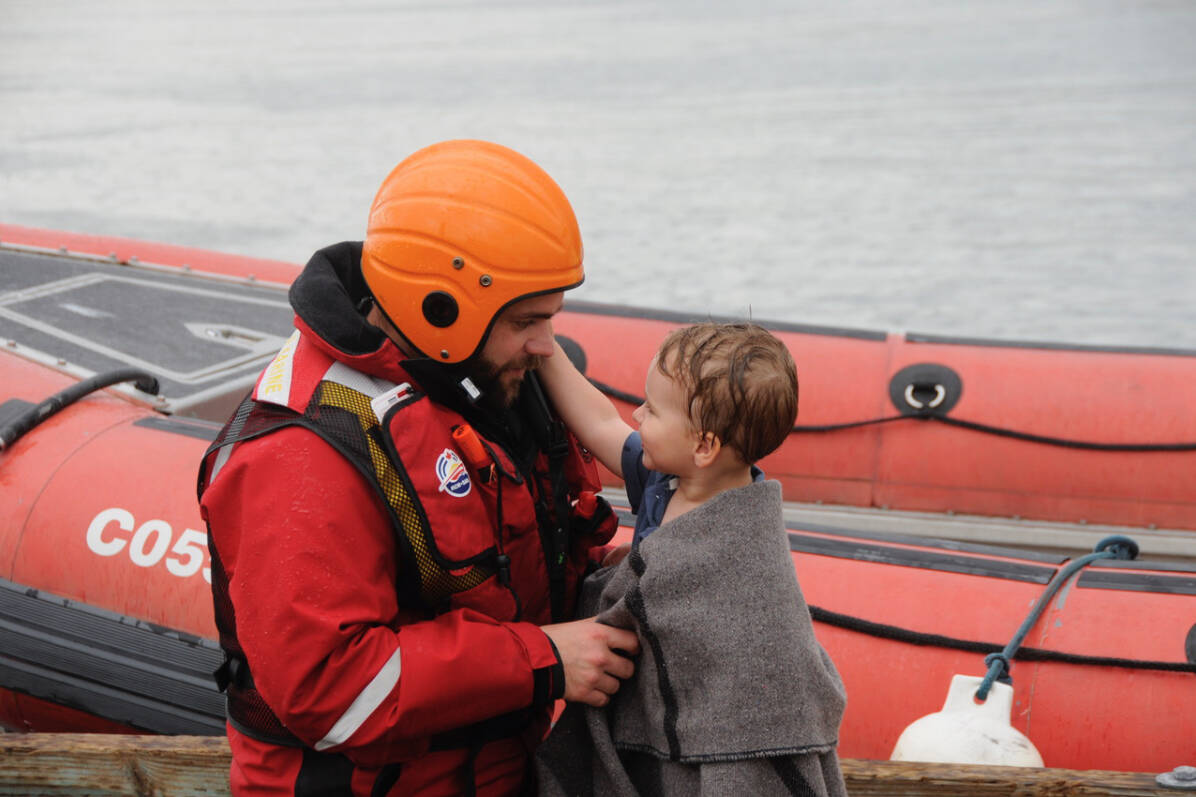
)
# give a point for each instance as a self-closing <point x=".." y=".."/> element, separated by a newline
<point x="732" y="693"/>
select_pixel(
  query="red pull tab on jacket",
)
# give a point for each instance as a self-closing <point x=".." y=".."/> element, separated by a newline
<point x="471" y="446"/>
<point x="587" y="502"/>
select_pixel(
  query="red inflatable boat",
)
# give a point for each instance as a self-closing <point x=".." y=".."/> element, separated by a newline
<point x="916" y="458"/>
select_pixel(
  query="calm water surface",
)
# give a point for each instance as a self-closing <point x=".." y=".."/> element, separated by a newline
<point x="1016" y="169"/>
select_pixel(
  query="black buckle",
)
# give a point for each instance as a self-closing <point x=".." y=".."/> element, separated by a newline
<point x="233" y="671"/>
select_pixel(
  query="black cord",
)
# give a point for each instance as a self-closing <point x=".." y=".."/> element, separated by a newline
<point x="834" y="427"/>
<point x="614" y="392"/>
<point x="1059" y="441"/>
<point x="899" y="634"/>
<point x="631" y="398"/>
<point x="13" y="431"/>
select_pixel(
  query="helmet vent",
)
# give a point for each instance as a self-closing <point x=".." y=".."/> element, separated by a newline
<point x="440" y="309"/>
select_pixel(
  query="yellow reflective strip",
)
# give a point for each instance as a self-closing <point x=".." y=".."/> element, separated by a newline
<point x="436" y="584"/>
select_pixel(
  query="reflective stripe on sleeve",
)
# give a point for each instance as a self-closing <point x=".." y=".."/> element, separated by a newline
<point x="364" y="704"/>
<point x="221" y="458"/>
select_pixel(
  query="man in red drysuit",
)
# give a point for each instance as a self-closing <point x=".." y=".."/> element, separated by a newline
<point x="398" y="522"/>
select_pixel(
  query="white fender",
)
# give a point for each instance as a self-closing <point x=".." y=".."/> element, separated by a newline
<point x="967" y="732"/>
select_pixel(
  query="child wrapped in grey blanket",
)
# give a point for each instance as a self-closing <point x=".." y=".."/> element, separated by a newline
<point x="732" y="693"/>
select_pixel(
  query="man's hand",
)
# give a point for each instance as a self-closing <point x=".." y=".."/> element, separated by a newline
<point x="588" y="653"/>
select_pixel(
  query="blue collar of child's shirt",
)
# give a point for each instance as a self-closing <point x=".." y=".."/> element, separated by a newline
<point x="668" y="483"/>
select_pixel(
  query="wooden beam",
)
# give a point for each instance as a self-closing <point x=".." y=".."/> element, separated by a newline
<point x="110" y="764"/>
<point x="915" y="779"/>
<point x="107" y="764"/>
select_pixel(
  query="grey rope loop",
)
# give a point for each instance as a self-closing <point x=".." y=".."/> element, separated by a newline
<point x="1114" y="547"/>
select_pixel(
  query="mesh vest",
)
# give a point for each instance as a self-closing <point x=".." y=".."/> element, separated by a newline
<point x="489" y="518"/>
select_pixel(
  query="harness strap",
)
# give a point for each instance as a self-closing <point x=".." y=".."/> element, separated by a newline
<point x="436" y="582"/>
<point x="555" y="443"/>
<point x="347" y="418"/>
<point x="244" y="707"/>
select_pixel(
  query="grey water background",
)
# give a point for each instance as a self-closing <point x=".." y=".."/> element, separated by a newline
<point x="1020" y="170"/>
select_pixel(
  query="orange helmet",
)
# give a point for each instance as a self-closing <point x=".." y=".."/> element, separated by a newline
<point x="457" y="232"/>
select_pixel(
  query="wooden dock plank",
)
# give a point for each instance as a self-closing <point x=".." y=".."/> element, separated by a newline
<point x="150" y="766"/>
<point x="109" y="765"/>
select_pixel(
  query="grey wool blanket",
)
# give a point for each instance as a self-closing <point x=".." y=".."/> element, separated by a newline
<point x="732" y="693"/>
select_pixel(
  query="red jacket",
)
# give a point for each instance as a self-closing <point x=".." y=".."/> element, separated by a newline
<point x="352" y="639"/>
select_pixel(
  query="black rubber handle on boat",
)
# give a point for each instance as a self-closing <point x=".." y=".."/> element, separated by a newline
<point x="16" y="429"/>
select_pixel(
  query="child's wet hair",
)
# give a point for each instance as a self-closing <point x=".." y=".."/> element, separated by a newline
<point x="740" y="382"/>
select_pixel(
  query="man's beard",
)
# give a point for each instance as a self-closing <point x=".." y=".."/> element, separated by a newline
<point x="500" y="384"/>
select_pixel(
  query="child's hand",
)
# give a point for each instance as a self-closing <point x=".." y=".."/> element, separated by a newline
<point x="616" y="555"/>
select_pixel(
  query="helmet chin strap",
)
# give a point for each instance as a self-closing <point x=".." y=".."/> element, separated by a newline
<point x="472" y="391"/>
<point x="462" y="374"/>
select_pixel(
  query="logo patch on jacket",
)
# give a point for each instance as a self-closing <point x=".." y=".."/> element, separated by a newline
<point x="454" y="478"/>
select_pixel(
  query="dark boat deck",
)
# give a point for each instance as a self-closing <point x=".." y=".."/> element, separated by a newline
<point x="204" y="338"/>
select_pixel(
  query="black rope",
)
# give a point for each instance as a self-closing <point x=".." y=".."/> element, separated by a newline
<point x="631" y="398"/>
<point x="614" y="392"/>
<point x="1059" y="441"/>
<point x="834" y="427"/>
<point x="885" y="631"/>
